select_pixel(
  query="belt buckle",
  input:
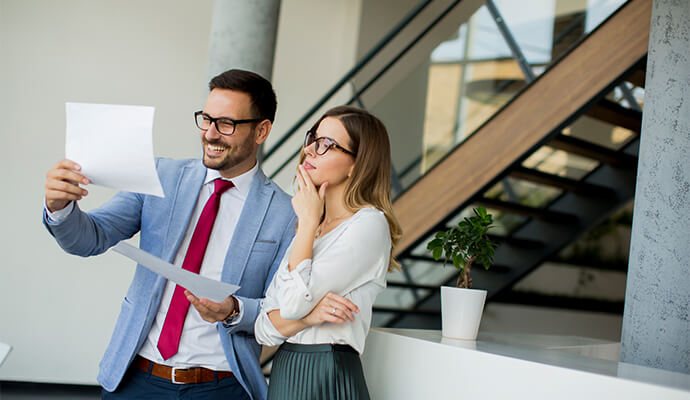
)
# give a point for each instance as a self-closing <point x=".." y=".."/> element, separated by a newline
<point x="172" y="378"/>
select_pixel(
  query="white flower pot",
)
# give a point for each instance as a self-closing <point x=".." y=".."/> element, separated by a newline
<point x="461" y="312"/>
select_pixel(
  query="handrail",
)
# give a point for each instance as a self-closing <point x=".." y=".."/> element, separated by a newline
<point x="348" y="76"/>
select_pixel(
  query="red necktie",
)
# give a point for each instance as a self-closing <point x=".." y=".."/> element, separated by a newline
<point x="169" y="340"/>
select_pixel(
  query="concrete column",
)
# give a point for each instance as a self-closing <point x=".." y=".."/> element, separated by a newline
<point x="656" y="325"/>
<point x="243" y="35"/>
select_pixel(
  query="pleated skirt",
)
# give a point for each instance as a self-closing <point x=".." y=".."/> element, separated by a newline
<point x="317" y="372"/>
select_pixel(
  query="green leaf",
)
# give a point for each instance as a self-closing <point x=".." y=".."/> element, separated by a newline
<point x="459" y="261"/>
<point x="438" y="251"/>
<point x="434" y="243"/>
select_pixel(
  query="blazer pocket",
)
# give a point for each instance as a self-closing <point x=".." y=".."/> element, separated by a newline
<point x="265" y="246"/>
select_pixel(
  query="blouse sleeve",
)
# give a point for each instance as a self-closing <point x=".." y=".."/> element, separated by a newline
<point x="359" y="254"/>
<point x="264" y="331"/>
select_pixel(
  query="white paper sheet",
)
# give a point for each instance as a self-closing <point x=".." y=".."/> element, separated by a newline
<point x="4" y="351"/>
<point x="199" y="285"/>
<point x="114" y="145"/>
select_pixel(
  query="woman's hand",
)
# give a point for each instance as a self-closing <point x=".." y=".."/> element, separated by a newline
<point x="332" y="308"/>
<point x="308" y="202"/>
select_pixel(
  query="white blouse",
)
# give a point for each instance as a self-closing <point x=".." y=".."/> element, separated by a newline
<point x="350" y="260"/>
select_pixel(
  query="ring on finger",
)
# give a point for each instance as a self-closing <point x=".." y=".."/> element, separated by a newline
<point x="334" y="310"/>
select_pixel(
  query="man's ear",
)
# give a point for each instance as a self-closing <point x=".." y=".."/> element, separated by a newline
<point x="262" y="131"/>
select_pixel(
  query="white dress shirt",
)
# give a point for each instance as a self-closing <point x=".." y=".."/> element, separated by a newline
<point x="352" y="261"/>
<point x="199" y="344"/>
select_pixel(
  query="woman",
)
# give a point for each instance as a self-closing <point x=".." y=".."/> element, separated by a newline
<point x="319" y="304"/>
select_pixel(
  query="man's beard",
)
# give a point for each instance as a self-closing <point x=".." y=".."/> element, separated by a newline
<point x="234" y="155"/>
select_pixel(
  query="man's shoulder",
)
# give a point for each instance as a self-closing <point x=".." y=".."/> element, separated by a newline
<point x="280" y="194"/>
<point x="166" y="164"/>
<point x="281" y="203"/>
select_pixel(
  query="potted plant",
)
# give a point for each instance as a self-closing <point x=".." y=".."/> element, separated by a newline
<point x="464" y="245"/>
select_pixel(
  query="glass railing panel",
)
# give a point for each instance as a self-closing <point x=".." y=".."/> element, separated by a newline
<point x="598" y="11"/>
<point x="451" y="89"/>
<point x="558" y="162"/>
<point x="474" y="74"/>
<point x="546" y="29"/>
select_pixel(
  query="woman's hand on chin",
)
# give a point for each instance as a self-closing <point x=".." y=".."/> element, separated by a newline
<point x="308" y="202"/>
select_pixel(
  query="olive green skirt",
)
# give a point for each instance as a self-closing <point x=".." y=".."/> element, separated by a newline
<point x="316" y="371"/>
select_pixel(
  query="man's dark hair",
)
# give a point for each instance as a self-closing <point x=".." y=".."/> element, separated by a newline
<point x="259" y="90"/>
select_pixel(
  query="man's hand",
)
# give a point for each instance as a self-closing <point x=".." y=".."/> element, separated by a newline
<point x="332" y="308"/>
<point x="62" y="185"/>
<point x="211" y="311"/>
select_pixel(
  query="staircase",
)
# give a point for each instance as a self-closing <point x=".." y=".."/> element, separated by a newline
<point x="507" y="163"/>
<point x="504" y="150"/>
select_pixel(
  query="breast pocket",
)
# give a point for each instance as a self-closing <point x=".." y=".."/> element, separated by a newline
<point x="261" y="258"/>
<point x="265" y="248"/>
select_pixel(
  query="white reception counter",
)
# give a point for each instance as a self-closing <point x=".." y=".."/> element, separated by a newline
<point x="420" y="364"/>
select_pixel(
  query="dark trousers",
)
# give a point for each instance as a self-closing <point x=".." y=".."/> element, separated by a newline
<point x="138" y="384"/>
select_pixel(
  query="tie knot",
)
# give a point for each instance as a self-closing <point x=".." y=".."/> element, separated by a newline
<point x="221" y="185"/>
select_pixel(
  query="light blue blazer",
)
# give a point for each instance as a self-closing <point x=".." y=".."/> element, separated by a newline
<point x="264" y="230"/>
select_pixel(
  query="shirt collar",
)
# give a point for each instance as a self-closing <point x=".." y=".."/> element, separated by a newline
<point x="242" y="182"/>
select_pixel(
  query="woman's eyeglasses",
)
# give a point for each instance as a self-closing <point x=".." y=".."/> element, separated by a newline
<point x="323" y="144"/>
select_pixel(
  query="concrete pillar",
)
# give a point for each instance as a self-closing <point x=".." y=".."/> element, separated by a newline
<point x="243" y="35"/>
<point x="656" y="323"/>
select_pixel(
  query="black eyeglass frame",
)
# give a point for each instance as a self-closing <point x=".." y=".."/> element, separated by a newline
<point x="214" y="121"/>
<point x="329" y="143"/>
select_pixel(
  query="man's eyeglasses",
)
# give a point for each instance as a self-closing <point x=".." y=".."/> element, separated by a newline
<point x="224" y="125"/>
<point x="323" y="144"/>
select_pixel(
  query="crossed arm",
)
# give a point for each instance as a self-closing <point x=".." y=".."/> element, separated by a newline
<point x="212" y="312"/>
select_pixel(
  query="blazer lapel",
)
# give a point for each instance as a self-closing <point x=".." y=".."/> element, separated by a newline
<point x="247" y="229"/>
<point x="182" y="207"/>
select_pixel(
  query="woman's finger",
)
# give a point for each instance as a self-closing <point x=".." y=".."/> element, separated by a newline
<point x="345" y="313"/>
<point x="343" y="301"/>
<point x="309" y="184"/>
<point x="337" y="310"/>
<point x="300" y="180"/>
<point x="329" y="316"/>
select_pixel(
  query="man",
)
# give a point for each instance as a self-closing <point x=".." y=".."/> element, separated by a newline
<point x="235" y="232"/>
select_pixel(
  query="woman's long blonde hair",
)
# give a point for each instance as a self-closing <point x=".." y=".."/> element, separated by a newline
<point x="370" y="182"/>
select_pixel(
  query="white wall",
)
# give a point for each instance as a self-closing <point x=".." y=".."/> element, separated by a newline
<point x="59" y="310"/>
